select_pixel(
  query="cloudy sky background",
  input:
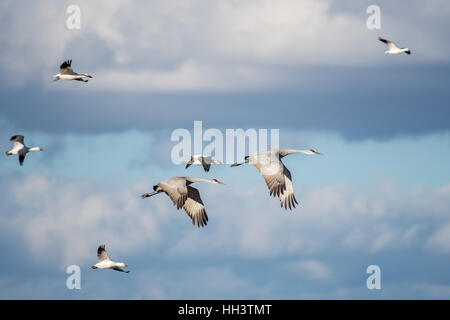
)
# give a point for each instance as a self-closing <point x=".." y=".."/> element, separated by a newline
<point x="312" y="69"/>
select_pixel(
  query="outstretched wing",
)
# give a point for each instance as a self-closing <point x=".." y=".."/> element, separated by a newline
<point x="18" y="141"/>
<point x="287" y="197"/>
<point x="21" y="159"/>
<point x="194" y="208"/>
<point x="390" y="44"/>
<point x="188" y="163"/>
<point x="178" y="193"/>
<point x="206" y="163"/>
<point x="66" y="67"/>
<point x="119" y="269"/>
<point x="102" y="255"/>
<point x="272" y="170"/>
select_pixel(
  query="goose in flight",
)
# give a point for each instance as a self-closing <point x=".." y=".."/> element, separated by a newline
<point x="104" y="262"/>
<point x="203" y="161"/>
<point x="20" y="149"/>
<point x="277" y="176"/>
<point x="184" y="196"/>
<point x="66" y="73"/>
<point x="393" y="49"/>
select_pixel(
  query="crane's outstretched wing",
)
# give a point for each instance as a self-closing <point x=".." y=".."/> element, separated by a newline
<point x="194" y="208"/>
<point x="287" y="197"/>
<point x="102" y="255"/>
<point x="178" y="194"/>
<point x="272" y="171"/>
<point x="66" y="67"/>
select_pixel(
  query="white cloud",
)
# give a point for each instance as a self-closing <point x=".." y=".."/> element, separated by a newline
<point x="192" y="45"/>
<point x="440" y="239"/>
<point x="65" y="220"/>
<point x="315" y="269"/>
<point x="348" y="218"/>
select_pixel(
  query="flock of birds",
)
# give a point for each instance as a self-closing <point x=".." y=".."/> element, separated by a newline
<point x="183" y="195"/>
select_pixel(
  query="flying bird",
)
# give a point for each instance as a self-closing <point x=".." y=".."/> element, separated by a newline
<point x="203" y="161"/>
<point x="184" y="196"/>
<point x="393" y="49"/>
<point x="277" y="176"/>
<point x="104" y="262"/>
<point x="66" y="73"/>
<point x="20" y="149"/>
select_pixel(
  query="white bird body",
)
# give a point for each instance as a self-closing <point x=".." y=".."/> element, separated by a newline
<point x="200" y="160"/>
<point x="20" y="149"/>
<point x="109" y="264"/>
<point x="393" y="49"/>
<point x="67" y="73"/>
<point x="277" y="176"/>
<point x="184" y="196"/>
<point x="104" y="262"/>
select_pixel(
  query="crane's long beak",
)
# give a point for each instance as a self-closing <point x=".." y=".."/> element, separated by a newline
<point x="237" y="164"/>
<point x="147" y="195"/>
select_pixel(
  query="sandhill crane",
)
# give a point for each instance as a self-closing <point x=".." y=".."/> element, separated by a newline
<point x="20" y="149"/>
<point x="104" y="262"/>
<point x="67" y="73"/>
<point x="393" y="49"/>
<point x="183" y="195"/>
<point x="277" y="176"/>
<point x="203" y="161"/>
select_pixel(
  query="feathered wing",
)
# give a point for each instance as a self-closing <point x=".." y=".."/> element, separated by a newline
<point x="18" y="141"/>
<point x="177" y="194"/>
<point x="102" y="255"/>
<point x="21" y="158"/>
<point x="188" y="163"/>
<point x="66" y="67"/>
<point x="287" y="197"/>
<point x="206" y="163"/>
<point x="194" y="208"/>
<point x="119" y="269"/>
<point x="390" y="44"/>
<point x="272" y="171"/>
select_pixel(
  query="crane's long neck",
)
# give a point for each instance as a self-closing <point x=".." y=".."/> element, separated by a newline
<point x="192" y="180"/>
<point x="35" y="149"/>
<point x="291" y="151"/>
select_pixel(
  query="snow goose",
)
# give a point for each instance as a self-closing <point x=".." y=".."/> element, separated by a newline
<point x="20" y="149"/>
<point x="67" y="73"/>
<point x="104" y="262"/>
<point x="392" y="48"/>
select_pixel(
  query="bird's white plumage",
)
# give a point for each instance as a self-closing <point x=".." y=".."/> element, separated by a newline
<point x="105" y="262"/>
<point x="66" y="73"/>
<point x="392" y="47"/>
<point x="20" y="149"/>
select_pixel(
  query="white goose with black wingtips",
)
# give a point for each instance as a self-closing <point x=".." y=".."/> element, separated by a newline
<point x="66" y="73"/>
<point x="104" y="262"/>
<point x="20" y="149"/>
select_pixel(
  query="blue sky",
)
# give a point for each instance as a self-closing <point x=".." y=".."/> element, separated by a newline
<point x="380" y="195"/>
